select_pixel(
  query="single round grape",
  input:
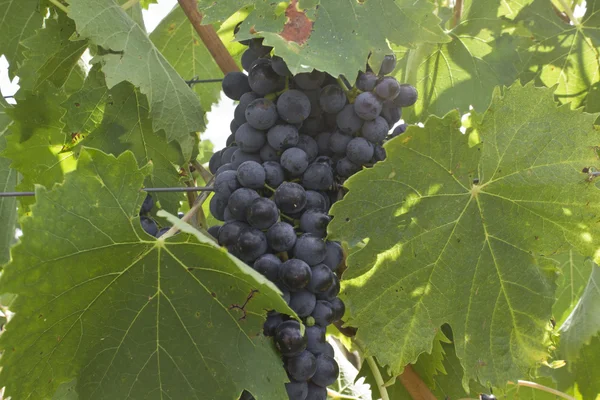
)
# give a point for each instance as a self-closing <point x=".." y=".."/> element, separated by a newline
<point x="323" y="348"/>
<point x="323" y="313"/>
<point x="249" y="139"/>
<point x="226" y="183"/>
<point x="303" y="302"/>
<point x="310" y="249"/>
<point x="366" y="81"/>
<point x="214" y="231"/>
<point x="391" y="113"/>
<point x="239" y="114"/>
<point x="315" y="335"/>
<point x="227" y="154"/>
<point x="327" y="371"/>
<point x="318" y="176"/>
<point x="293" y="106"/>
<point x="261" y="114"/>
<point x="388" y="64"/>
<point x="321" y="279"/>
<point x="316" y="201"/>
<point x="346" y="168"/>
<point x="315" y="222"/>
<point x="399" y="130"/>
<point x="268" y="265"/>
<point x="147" y="205"/>
<point x="332" y="292"/>
<point x="339" y="308"/>
<point x="239" y="201"/>
<point x="215" y="162"/>
<point x="274" y="174"/>
<point x="332" y="99"/>
<point x="379" y="154"/>
<point x="376" y="130"/>
<point x="235" y="84"/>
<point x="289" y="339"/>
<point x="334" y="255"/>
<point x="233" y="126"/>
<point x="338" y="142"/>
<point x="367" y="106"/>
<point x="273" y="319"/>
<point x="246" y="99"/>
<point x="322" y="140"/>
<point x="263" y="80"/>
<point x="290" y="197"/>
<point x="239" y="156"/>
<point x="230" y="139"/>
<point x="228" y="216"/>
<point x="149" y="225"/>
<point x="162" y="231"/>
<point x="279" y="66"/>
<point x="407" y="96"/>
<point x="248" y="58"/>
<point x="217" y="206"/>
<point x="388" y="88"/>
<point x="348" y="121"/>
<point x="312" y="126"/>
<point x="281" y="137"/>
<point x="310" y="80"/>
<point x="302" y="366"/>
<point x="316" y="392"/>
<point x="295" y="274"/>
<point x="251" y="174"/>
<point x="359" y="151"/>
<point x="296" y="390"/>
<point x="251" y="244"/>
<point x="267" y="153"/>
<point x="230" y="232"/>
<point x="294" y="161"/>
<point x="225" y="167"/>
<point x="281" y="237"/>
<point x="258" y="47"/>
<point x="309" y="145"/>
<point x="262" y="213"/>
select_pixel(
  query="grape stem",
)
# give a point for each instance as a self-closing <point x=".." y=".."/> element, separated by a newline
<point x="204" y="173"/>
<point x="542" y="388"/>
<point x="378" y="378"/>
<point x="458" y="9"/>
<point x="129" y="4"/>
<point x="60" y="6"/>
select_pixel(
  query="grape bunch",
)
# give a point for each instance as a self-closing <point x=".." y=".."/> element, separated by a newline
<point x="294" y="140"/>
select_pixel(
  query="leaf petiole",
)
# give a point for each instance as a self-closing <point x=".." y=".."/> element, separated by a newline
<point x="60" y="6"/>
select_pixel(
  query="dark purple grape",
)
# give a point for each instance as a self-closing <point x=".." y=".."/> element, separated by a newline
<point x="312" y="126"/>
<point x="388" y="88"/>
<point x="315" y="335"/>
<point x="303" y="302"/>
<point x="293" y="106"/>
<point x="323" y="143"/>
<point x="295" y="274"/>
<point x="249" y="139"/>
<point x="217" y="206"/>
<point x="310" y="80"/>
<point x="272" y="322"/>
<point x="348" y="121"/>
<point x="281" y="137"/>
<point x="315" y="222"/>
<point x="310" y="249"/>
<point x="268" y="265"/>
<point x="316" y="392"/>
<point x="367" y="106"/>
<point x="289" y="339"/>
<point x="296" y="390"/>
<point x="332" y="99"/>
<point x="290" y="197"/>
<point x="388" y="64"/>
<point x="318" y="176"/>
<point x="251" y="244"/>
<point x="147" y="205"/>
<point x="366" y="81"/>
<point x="399" y="130"/>
<point x="332" y="292"/>
<point x="339" y="308"/>
<point x="215" y="162"/>
<point x="275" y="175"/>
<point x="239" y="156"/>
<point x="391" y="113"/>
<point x="214" y="231"/>
<point x="309" y="145"/>
<point x="261" y="114"/>
<point x="263" y="80"/>
<point x="226" y="183"/>
<point x="376" y="130"/>
<point x="251" y="174"/>
<point x="407" y="96"/>
<point x="258" y="47"/>
<point x="338" y="142"/>
<point x="346" y="168"/>
<point x="301" y="367"/>
<point x="230" y="232"/>
<point x="262" y="213"/>
<point x="279" y="66"/>
<point x="379" y="154"/>
<point x="227" y="154"/>
<point x="359" y="151"/>
<point x="267" y="153"/>
<point x="323" y="313"/>
<point x="321" y="278"/>
<point x="248" y="58"/>
<point x="281" y="237"/>
<point x="294" y="161"/>
<point x="239" y="201"/>
<point x="327" y="371"/>
<point x="149" y="225"/>
<point x="235" y="84"/>
<point x="334" y="255"/>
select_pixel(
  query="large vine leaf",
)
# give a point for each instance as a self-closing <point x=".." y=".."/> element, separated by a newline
<point x="563" y="54"/>
<point x="587" y="370"/>
<point x="51" y="55"/>
<point x="126" y="126"/>
<point x="456" y="233"/>
<point x="481" y="55"/>
<point x="36" y="139"/>
<point x="8" y="181"/>
<point x="584" y="321"/>
<point x="18" y="20"/>
<point x="179" y="43"/>
<point x="174" y="107"/>
<point x="144" y="318"/>
<point x="304" y="37"/>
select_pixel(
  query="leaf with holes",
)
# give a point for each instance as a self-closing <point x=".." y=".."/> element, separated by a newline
<point x="456" y="234"/>
<point x="131" y="56"/>
<point x="143" y="318"/>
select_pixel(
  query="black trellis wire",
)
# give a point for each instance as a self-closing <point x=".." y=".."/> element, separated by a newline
<point x="147" y="190"/>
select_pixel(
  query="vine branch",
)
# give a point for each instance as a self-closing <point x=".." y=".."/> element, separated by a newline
<point x="209" y="37"/>
<point x="378" y="378"/>
<point x="543" y="388"/>
<point x="458" y="9"/>
<point x="414" y="385"/>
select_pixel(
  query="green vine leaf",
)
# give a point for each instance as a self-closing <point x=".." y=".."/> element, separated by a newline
<point x="51" y="55"/>
<point x="179" y="43"/>
<point x="145" y="318"/>
<point x="18" y="20"/>
<point x="562" y="54"/>
<point x="304" y="37"/>
<point x="456" y="234"/>
<point x="8" y="182"/>
<point x="132" y="57"/>
<point x="587" y="369"/>
<point x="584" y="321"/>
<point x="462" y="73"/>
